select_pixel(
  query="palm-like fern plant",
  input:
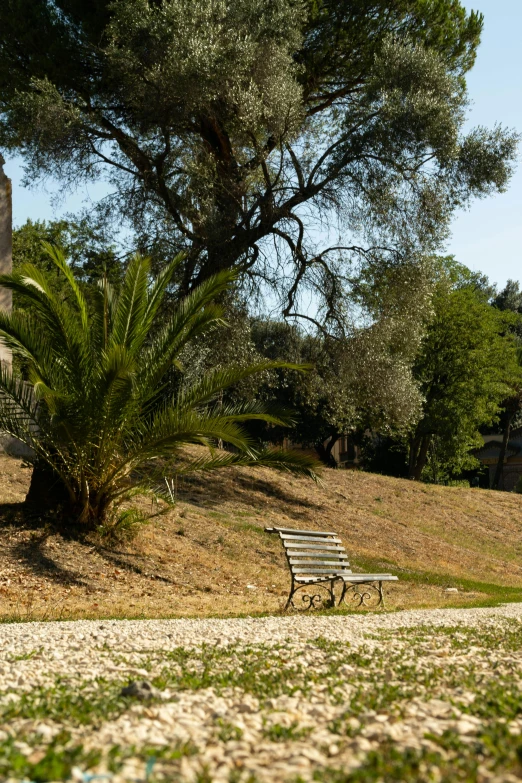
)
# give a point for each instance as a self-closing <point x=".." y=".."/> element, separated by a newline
<point x="95" y="408"/>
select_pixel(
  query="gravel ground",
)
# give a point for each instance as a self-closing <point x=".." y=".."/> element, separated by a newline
<point x="430" y="695"/>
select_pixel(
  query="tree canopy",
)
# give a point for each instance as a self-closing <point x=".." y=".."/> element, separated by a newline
<point x="91" y="252"/>
<point x="299" y="141"/>
<point x="466" y="368"/>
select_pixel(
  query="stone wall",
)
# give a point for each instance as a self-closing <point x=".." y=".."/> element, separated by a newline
<point x="7" y="444"/>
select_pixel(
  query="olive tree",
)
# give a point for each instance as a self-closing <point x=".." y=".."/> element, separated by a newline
<point x="297" y="141"/>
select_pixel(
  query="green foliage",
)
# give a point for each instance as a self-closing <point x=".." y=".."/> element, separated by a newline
<point x="56" y="763"/>
<point x="227" y="731"/>
<point x="510" y="298"/>
<point x="123" y="526"/>
<point x="361" y="377"/>
<point x="89" y="248"/>
<point x="466" y="368"/>
<point x="279" y="733"/>
<point x="95" y="410"/>
<point x="221" y="124"/>
<point x="356" y="381"/>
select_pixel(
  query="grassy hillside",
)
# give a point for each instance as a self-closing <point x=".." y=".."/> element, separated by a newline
<point x="210" y="555"/>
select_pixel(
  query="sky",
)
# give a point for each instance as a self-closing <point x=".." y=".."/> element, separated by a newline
<point x="488" y="236"/>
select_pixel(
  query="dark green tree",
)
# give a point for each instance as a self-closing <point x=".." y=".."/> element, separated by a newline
<point x="233" y="130"/>
<point x="90" y="250"/>
<point x="510" y="300"/>
<point x="466" y="367"/>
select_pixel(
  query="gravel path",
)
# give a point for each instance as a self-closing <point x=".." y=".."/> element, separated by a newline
<point x="63" y="639"/>
<point x="268" y="699"/>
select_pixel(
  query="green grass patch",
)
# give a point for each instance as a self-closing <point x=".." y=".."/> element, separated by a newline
<point x="89" y="703"/>
<point x="496" y="594"/>
<point x="55" y="762"/>
<point x="228" y="731"/>
<point x="292" y="733"/>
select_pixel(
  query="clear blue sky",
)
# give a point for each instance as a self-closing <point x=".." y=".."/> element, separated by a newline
<point x="487" y="237"/>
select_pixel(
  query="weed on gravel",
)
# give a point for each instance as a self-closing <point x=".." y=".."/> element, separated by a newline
<point x="423" y="704"/>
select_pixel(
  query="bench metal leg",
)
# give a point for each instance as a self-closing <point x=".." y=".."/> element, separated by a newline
<point x="364" y="596"/>
<point x="290" y="596"/>
<point x="311" y="600"/>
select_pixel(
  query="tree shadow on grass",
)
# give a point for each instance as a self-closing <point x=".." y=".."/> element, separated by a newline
<point x="211" y="491"/>
<point x="12" y="515"/>
<point x="120" y="559"/>
<point x="31" y="554"/>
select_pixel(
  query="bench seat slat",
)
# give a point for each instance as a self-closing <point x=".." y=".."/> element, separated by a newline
<point x="320" y="569"/>
<point x="354" y="578"/>
<point x="339" y="561"/>
<point x="316" y="561"/>
<point x="340" y="572"/>
<point x="295" y="532"/>
<point x="314" y="546"/>
<point x="371" y="577"/>
<point x="316" y="553"/>
<point x="286" y="537"/>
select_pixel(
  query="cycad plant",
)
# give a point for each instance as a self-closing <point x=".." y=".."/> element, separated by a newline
<point x="96" y="406"/>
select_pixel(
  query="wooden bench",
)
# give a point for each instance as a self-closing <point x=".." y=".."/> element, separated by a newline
<point x="317" y="558"/>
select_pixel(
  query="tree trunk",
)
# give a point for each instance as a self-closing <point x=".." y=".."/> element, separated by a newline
<point x="419" y="456"/>
<point x="325" y="451"/>
<point x="502" y="453"/>
<point x="46" y="492"/>
<point x="412" y="457"/>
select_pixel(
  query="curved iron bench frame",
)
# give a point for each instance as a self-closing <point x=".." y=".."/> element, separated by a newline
<point x="317" y="558"/>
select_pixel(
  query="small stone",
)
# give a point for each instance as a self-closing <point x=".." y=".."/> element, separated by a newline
<point x="437" y="708"/>
<point x="140" y="690"/>
<point x="451" y="590"/>
<point x="247" y="706"/>
<point x="362" y="745"/>
<point x="466" y="727"/>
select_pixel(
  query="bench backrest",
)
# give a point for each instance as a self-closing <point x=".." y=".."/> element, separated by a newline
<point x="313" y="553"/>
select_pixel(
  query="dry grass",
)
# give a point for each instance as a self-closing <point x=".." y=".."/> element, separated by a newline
<point x="200" y="557"/>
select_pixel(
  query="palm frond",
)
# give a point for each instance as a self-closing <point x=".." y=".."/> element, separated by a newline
<point x="57" y="256"/>
<point x="214" y="382"/>
<point x="159" y="288"/>
<point x="129" y="327"/>
<point x="21" y="335"/>
<point x="195" y="314"/>
<point x="295" y="462"/>
<point x="95" y="407"/>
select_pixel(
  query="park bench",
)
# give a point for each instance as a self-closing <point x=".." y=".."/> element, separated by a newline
<point x="317" y="558"/>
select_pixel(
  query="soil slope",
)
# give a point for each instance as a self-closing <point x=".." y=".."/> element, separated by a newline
<point x="210" y="554"/>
